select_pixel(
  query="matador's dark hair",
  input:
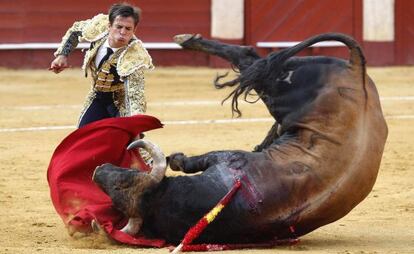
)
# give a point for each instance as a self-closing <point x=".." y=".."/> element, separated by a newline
<point x="124" y="10"/>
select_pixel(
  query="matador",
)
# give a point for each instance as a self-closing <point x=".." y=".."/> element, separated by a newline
<point x="116" y="60"/>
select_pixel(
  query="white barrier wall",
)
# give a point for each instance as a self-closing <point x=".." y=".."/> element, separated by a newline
<point x="227" y="19"/>
<point x="378" y="20"/>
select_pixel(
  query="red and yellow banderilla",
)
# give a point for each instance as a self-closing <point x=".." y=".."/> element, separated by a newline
<point x="196" y="230"/>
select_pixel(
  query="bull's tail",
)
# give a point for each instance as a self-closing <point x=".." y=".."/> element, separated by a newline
<point x="270" y="68"/>
<point x="356" y="56"/>
<point x="356" y="60"/>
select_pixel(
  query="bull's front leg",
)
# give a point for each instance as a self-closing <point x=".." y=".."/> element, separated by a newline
<point x="180" y="162"/>
<point x="240" y="56"/>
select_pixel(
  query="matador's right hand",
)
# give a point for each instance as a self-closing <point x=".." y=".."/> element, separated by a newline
<point x="59" y="64"/>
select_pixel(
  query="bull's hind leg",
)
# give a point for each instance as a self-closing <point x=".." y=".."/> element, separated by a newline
<point x="239" y="56"/>
<point x="180" y="162"/>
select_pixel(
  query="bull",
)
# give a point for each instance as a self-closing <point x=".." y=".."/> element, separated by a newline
<point x="318" y="161"/>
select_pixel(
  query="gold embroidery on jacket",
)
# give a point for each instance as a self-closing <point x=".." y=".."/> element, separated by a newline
<point x="90" y="55"/>
<point x="92" y="30"/>
<point x="133" y="58"/>
<point x="107" y="81"/>
<point x="132" y="61"/>
<point x="96" y="28"/>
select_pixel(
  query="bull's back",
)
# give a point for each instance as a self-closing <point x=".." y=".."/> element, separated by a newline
<point x="335" y="154"/>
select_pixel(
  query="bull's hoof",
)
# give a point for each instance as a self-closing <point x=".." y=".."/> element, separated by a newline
<point x="176" y="161"/>
<point x="180" y="39"/>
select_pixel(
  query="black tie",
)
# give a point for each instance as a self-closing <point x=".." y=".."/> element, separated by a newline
<point x="109" y="52"/>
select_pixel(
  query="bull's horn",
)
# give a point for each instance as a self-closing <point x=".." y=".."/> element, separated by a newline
<point x="133" y="226"/>
<point x="159" y="165"/>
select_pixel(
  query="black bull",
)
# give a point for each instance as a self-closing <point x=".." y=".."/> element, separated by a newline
<point x="319" y="160"/>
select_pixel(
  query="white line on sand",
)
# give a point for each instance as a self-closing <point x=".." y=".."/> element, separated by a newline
<point x="168" y="104"/>
<point x="179" y="122"/>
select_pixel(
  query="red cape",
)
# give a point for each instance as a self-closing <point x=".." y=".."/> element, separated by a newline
<point x="77" y="199"/>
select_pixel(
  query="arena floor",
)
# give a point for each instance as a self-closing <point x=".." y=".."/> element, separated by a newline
<point x="38" y="109"/>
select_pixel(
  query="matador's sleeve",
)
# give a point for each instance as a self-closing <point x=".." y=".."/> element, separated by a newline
<point x="85" y="30"/>
<point x="131" y="65"/>
<point x="135" y="102"/>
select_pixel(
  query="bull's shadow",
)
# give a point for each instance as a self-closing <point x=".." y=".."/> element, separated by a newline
<point x="318" y="161"/>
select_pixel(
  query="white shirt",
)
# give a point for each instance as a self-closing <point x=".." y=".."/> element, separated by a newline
<point x="102" y="52"/>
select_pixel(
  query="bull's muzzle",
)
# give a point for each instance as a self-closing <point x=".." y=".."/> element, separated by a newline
<point x="126" y="186"/>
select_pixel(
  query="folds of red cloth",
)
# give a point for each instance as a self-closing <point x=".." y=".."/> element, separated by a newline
<point x="76" y="198"/>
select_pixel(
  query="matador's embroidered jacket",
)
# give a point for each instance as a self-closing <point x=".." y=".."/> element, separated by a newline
<point x="129" y="63"/>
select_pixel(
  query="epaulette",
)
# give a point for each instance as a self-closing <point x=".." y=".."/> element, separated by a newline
<point x="133" y="58"/>
<point x="96" y="29"/>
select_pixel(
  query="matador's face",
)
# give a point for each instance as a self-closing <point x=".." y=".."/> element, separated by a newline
<point x="121" y="31"/>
